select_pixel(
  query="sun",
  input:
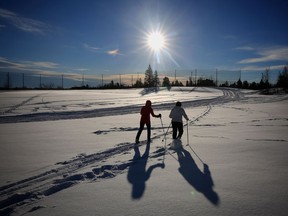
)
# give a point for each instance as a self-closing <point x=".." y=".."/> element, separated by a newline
<point x="156" y="41"/>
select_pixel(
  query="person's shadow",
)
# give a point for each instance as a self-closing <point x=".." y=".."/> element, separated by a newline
<point x="201" y="181"/>
<point x="137" y="174"/>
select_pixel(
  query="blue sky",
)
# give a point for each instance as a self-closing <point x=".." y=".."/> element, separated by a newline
<point x="97" y="37"/>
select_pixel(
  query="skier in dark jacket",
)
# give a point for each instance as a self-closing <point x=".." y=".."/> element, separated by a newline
<point x="145" y="119"/>
<point x="177" y="125"/>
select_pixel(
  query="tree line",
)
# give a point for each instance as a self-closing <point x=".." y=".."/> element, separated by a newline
<point x="282" y="82"/>
<point x="152" y="80"/>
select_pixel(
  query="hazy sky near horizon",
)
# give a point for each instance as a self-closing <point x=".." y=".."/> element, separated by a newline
<point x="110" y="36"/>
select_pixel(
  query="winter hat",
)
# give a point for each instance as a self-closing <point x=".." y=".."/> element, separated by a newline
<point x="148" y="103"/>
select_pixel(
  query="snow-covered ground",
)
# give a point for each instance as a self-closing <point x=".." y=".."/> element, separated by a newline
<point x="72" y="153"/>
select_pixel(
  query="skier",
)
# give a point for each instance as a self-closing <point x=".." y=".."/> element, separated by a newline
<point x="145" y="119"/>
<point x="177" y="125"/>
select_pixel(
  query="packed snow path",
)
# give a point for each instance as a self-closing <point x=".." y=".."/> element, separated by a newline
<point x="57" y="110"/>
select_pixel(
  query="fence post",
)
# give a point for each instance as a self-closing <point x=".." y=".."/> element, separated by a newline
<point x="8" y="80"/>
<point x="40" y="81"/>
<point x="195" y="77"/>
<point x="23" y="84"/>
<point x="216" y="77"/>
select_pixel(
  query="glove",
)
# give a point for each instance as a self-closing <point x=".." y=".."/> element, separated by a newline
<point x="160" y="115"/>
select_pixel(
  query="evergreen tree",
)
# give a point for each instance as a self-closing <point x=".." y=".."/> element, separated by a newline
<point x="239" y="84"/>
<point x="166" y="82"/>
<point x="254" y="85"/>
<point x="264" y="83"/>
<point x="156" y="81"/>
<point x="245" y="84"/>
<point x="138" y="83"/>
<point x="282" y="81"/>
<point x="148" y="80"/>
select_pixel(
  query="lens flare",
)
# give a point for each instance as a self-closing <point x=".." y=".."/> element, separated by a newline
<point x="156" y="41"/>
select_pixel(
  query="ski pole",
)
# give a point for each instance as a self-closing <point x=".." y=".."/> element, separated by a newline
<point x="166" y="132"/>
<point x="162" y="124"/>
<point x="165" y="150"/>
<point x="187" y="133"/>
<point x="162" y="128"/>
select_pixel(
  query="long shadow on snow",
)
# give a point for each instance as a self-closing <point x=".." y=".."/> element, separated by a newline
<point x="201" y="181"/>
<point x="137" y="173"/>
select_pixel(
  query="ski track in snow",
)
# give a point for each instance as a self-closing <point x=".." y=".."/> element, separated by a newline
<point x="12" y="108"/>
<point x="27" y="191"/>
<point x="84" y="167"/>
<point x="228" y="96"/>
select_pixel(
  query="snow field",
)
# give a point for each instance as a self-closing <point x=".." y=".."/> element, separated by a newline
<point x="243" y="141"/>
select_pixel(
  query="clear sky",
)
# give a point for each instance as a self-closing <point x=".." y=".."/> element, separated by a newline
<point x="110" y="36"/>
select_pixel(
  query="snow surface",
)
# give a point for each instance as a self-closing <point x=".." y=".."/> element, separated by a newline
<point x="72" y="153"/>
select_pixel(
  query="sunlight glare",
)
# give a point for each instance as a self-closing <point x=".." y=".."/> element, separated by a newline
<point x="156" y="41"/>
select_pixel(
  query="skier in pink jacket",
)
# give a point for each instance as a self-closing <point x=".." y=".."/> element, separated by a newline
<point x="145" y="112"/>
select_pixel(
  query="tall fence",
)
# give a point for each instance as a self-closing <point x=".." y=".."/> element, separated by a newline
<point x="9" y="80"/>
